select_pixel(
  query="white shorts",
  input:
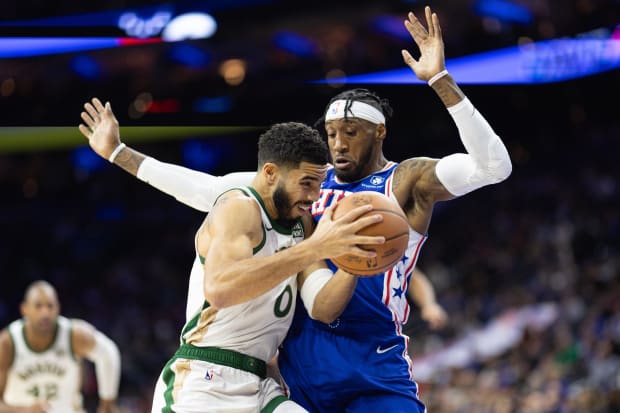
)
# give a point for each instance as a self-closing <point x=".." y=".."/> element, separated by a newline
<point x="197" y="386"/>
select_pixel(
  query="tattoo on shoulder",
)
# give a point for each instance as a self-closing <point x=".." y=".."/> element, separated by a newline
<point x="407" y="170"/>
<point x="414" y="171"/>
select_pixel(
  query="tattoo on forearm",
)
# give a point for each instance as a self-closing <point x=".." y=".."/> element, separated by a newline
<point x="129" y="160"/>
<point x="448" y="91"/>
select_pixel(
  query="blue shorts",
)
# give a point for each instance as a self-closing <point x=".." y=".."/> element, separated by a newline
<point x="327" y="372"/>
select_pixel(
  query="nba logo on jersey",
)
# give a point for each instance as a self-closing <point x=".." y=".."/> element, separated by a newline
<point x="210" y="374"/>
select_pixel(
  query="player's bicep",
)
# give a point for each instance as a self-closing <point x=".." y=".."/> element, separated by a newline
<point x="230" y="233"/>
<point x="417" y="180"/>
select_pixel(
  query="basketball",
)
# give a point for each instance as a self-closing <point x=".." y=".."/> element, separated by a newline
<point x="394" y="227"/>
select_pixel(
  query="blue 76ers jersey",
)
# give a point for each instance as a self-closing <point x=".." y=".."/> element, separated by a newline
<point x="380" y="301"/>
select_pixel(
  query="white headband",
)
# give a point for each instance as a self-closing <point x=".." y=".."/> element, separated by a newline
<point x="357" y="109"/>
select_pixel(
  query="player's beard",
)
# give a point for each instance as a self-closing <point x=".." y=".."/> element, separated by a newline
<point x="357" y="172"/>
<point x="284" y="206"/>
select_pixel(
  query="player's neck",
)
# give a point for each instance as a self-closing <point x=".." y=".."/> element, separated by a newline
<point x="38" y="341"/>
<point x="376" y="165"/>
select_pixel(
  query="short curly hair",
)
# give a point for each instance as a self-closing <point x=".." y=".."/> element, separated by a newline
<point x="290" y="143"/>
<point x="358" y="95"/>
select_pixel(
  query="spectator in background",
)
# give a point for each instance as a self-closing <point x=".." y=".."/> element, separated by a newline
<point x="40" y="359"/>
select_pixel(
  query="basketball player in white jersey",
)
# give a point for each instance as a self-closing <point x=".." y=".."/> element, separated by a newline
<point x="41" y="354"/>
<point x="254" y="249"/>
<point x="355" y="123"/>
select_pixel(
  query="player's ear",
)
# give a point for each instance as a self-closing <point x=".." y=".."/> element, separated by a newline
<point x="380" y="131"/>
<point x="272" y="172"/>
<point x="22" y="308"/>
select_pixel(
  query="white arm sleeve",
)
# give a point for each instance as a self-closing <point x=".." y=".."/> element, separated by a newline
<point x="487" y="160"/>
<point x="312" y="285"/>
<point x="107" y="361"/>
<point x="198" y="190"/>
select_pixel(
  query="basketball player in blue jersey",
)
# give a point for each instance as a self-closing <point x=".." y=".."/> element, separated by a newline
<point x="255" y="249"/>
<point x="41" y="356"/>
<point x="359" y="362"/>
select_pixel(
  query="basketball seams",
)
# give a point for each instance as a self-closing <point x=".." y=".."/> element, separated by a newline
<point x="389" y="211"/>
<point x="394" y="227"/>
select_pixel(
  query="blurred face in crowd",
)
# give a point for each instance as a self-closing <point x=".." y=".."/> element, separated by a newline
<point x="40" y="309"/>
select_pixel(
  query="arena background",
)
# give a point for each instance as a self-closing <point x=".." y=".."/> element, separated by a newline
<point x="528" y="269"/>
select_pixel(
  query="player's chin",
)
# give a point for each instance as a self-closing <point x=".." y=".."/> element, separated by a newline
<point x="46" y="326"/>
<point x="299" y="210"/>
<point x="346" y="172"/>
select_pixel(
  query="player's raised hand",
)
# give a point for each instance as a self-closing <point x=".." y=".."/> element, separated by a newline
<point x="430" y="43"/>
<point x="100" y="127"/>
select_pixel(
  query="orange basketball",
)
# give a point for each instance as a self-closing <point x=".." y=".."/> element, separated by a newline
<point x="394" y="227"/>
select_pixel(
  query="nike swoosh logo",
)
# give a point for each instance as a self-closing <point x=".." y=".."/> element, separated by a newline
<point x="383" y="350"/>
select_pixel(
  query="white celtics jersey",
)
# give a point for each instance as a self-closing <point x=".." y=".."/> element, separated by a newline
<point x="53" y="374"/>
<point x="256" y="327"/>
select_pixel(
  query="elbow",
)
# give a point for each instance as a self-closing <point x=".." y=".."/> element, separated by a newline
<point x="214" y="296"/>
<point x="501" y="168"/>
<point x="324" y="315"/>
<point x="324" y="318"/>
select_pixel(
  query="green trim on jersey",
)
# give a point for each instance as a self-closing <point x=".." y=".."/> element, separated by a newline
<point x="194" y="321"/>
<point x="273" y="403"/>
<point x="168" y="376"/>
<point x="46" y="348"/>
<point x="278" y="227"/>
<point x="260" y="201"/>
<point x="263" y="241"/>
<point x="223" y="357"/>
<point x="226" y="191"/>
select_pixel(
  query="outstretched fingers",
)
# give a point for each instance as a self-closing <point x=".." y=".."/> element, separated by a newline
<point x="437" y="27"/>
<point x="88" y="120"/>
<point x="432" y="22"/>
<point x="94" y="113"/>
<point x="85" y="130"/>
<point x="415" y="28"/>
<point x="91" y="117"/>
<point x="98" y="105"/>
<point x="409" y="60"/>
<point x="429" y="21"/>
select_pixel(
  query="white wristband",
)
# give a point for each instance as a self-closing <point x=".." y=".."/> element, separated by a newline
<point x="116" y="151"/>
<point x="437" y="76"/>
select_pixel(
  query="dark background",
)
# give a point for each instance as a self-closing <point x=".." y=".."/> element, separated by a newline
<point x="119" y="252"/>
